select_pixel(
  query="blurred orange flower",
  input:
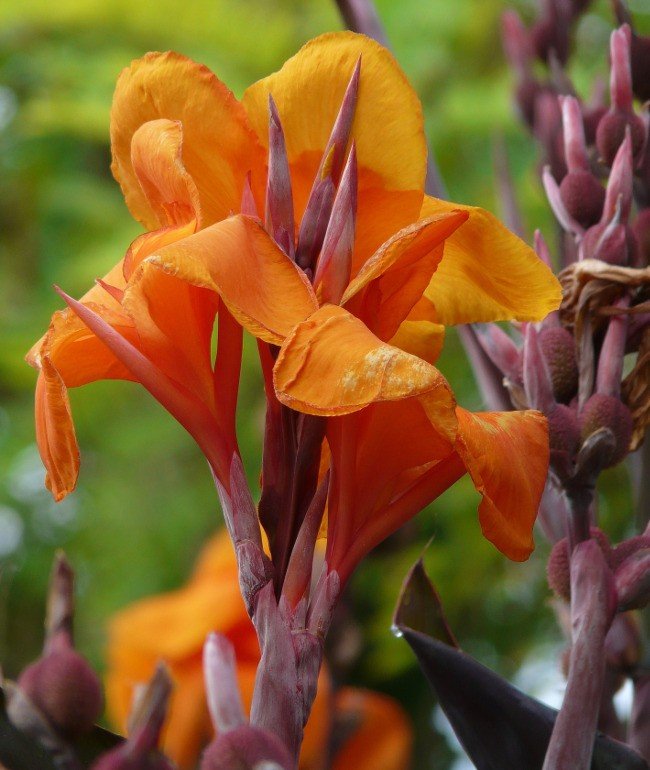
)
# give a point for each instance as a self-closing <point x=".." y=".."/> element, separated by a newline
<point x="173" y="627"/>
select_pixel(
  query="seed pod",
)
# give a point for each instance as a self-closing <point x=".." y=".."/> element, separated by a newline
<point x="602" y="411"/>
<point x="559" y="350"/>
<point x="558" y="571"/>
<point x="584" y="196"/>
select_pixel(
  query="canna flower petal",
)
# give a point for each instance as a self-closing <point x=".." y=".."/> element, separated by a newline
<point x="331" y="364"/>
<point x="384" y="737"/>
<point x="308" y="92"/>
<point x="506" y="454"/>
<point x="393" y="280"/>
<point x="488" y="273"/>
<point x="263" y="289"/>
<point x="219" y="147"/>
<point x="68" y="356"/>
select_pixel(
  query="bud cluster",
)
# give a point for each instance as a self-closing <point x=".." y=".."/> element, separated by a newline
<point x="597" y="180"/>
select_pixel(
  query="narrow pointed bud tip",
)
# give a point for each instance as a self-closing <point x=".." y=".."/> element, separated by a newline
<point x="335" y="261"/>
<point x="575" y="149"/>
<point x="220" y="671"/>
<point x="538" y="383"/>
<point x="279" y="219"/>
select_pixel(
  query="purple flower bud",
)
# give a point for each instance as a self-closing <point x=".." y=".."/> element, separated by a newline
<point x="556" y="199"/>
<point x="627" y="548"/>
<point x="244" y="748"/>
<point x="516" y="42"/>
<point x="550" y="34"/>
<point x="548" y="131"/>
<point x="63" y="686"/>
<point x="603" y="411"/>
<point x="538" y="383"/>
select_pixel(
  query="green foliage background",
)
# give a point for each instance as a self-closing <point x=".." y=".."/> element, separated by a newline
<point x="145" y="501"/>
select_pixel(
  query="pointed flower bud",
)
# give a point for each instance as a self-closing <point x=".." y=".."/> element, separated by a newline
<point x="140" y="751"/>
<point x="538" y="383"/>
<point x="224" y="699"/>
<point x="582" y="194"/>
<point x="279" y="199"/>
<point x="335" y="261"/>
<point x="611" y="129"/>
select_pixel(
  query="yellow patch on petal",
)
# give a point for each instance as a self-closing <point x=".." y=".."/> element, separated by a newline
<point x="506" y="454"/>
<point x="156" y="155"/>
<point x="263" y="289"/>
<point x="331" y="364"/>
<point x="488" y="273"/>
<point x="388" y="128"/>
<point x="219" y="147"/>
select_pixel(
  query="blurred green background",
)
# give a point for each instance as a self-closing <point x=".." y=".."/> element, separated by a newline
<point x="145" y="501"/>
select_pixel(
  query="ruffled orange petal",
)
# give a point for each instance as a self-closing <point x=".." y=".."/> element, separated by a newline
<point x="156" y="155"/>
<point x="331" y="364"/>
<point x="488" y="273"/>
<point x="393" y="280"/>
<point x="218" y="146"/>
<point x="383" y="739"/>
<point x="55" y="434"/>
<point x="388" y="128"/>
<point x="263" y="289"/>
<point x="174" y="321"/>
<point x="506" y="454"/>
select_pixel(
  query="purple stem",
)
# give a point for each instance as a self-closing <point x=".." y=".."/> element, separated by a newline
<point x="592" y="606"/>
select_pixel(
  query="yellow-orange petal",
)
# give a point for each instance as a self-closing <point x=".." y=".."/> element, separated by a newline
<point x="383" y="739"/>
<point x="393" y="280"/>
<point x="263" y="289"/>
<point x="219" y="147"/>
<point x="388" y="127"/>
<point x="331" y="364"/>
<point x="420" y="338"/>
<point x="156" y="155"/>
<point x="487" y="273"/>
<point x="506" y="454"/>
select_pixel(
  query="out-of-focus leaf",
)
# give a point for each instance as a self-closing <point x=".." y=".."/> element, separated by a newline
<point x="17" y="751"/>
<point x="21" y="752"/>
<point x="419" y="607"/>
<point x="498" y="725"/>
<point x="90" y="746"/>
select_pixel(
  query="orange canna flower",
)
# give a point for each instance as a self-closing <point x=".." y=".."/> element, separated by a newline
<point x="173" y="627"/>
<point x="348" y="286"/>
